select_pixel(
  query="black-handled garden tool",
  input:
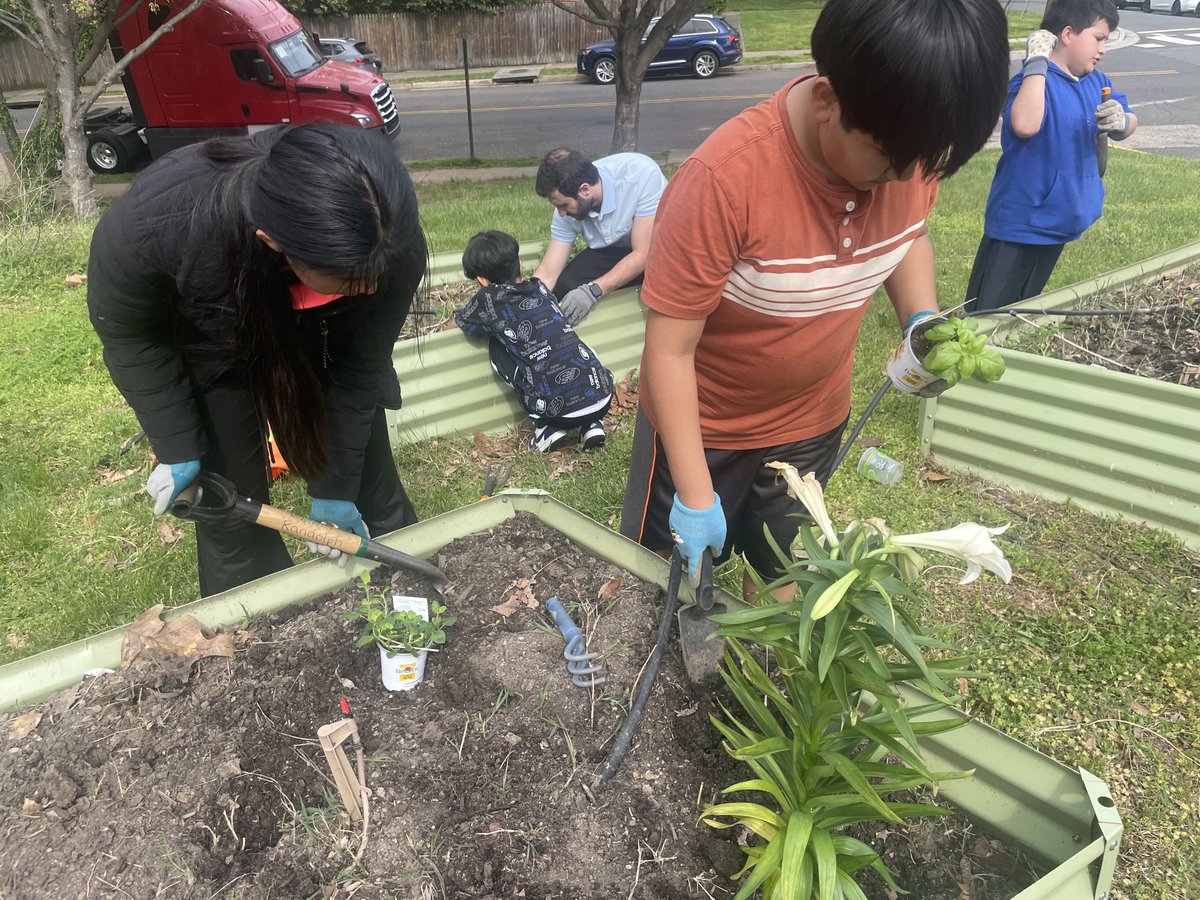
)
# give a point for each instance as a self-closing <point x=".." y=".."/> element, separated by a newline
<point x="213" y="498"/>
<point x="704" y="653"/>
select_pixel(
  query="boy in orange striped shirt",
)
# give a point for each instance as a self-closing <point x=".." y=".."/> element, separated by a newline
<point x="768" y="246"/>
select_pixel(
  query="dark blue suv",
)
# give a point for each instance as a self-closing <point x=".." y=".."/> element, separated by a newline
<point x="701" y="46"/>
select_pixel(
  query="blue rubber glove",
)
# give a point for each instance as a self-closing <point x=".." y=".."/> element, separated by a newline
<point x="694" y="530"/>
<point x="342" y="514"/>
<point x="167" y="480"/>
<point x="916" y="317"/>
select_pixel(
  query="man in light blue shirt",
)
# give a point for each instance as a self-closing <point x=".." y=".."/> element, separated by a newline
<point x="610" y="203"/>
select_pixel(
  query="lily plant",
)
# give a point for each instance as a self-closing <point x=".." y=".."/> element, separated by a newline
<point x="826" y="734"/>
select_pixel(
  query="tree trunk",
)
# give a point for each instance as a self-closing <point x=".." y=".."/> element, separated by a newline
<point x="76" y="176"/>
<point x="629" y="100"/>
<point x="8" y="129"/>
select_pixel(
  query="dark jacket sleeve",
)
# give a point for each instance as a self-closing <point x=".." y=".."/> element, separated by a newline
<point x="356" y="342"/>
<point x="131" y="303"/>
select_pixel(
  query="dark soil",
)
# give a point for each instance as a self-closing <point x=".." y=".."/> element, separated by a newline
<point x="1161" y="345"/>
<point x="482" y="778"/>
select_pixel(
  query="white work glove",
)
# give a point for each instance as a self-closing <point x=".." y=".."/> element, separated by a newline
<point x="1037" y="51"/>
<point x="1110" y="116"/>
<point x="577" y="304"/>
<point x="344" y="515"/>
<point x="167" y="480"/>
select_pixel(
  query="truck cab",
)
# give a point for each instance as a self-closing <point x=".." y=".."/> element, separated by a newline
<point x="230" y="67"/>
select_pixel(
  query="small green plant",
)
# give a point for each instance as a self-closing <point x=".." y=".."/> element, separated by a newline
<point x="952" y="351"/>
<point x="398" y="631"/>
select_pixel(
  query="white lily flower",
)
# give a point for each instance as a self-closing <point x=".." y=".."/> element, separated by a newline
<point x="808" y="491"/>
<point x="970" y="542"/>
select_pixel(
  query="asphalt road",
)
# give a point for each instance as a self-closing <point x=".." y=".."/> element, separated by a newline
<point x="1159" y="73"/>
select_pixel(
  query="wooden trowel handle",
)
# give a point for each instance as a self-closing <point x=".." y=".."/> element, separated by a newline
<point x="308" y="530"/>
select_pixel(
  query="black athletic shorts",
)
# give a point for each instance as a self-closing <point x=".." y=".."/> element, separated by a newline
<point x="751" y="494"/>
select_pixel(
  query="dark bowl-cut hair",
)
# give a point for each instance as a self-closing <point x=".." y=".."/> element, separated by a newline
<point x="494" y="255"/>
<point x="564" y="170"/>
<point x="1079" y="14"/>
<point x="925" y="78"/>
<point x="337" y="201"/>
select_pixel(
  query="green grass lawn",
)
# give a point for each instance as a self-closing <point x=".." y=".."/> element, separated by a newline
<point x="788" y="24"/>
<point x="1091" y="653"/>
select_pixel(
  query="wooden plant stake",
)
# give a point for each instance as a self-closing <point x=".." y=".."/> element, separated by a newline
<point x="333" y="736"/>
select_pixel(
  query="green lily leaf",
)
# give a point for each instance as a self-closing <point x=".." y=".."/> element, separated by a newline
<point x="833" y="595"/>
<point x="795" y="847"/>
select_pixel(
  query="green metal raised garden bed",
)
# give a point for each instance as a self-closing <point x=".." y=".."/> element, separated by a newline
<point x="1114" y="443"/>
<point x="1063" y="819"/>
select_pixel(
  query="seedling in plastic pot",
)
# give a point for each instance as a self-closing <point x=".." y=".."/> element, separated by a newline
<point x="398" y="631"/>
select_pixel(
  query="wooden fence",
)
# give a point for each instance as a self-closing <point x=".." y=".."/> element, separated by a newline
<point x="404" y="41"/>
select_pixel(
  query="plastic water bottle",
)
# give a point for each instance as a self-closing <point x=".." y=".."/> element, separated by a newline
<point x="880" y="467"/>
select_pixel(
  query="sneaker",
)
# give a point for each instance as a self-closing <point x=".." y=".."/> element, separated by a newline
<point x="547" y="439"/>
<point x="591" y="437"/>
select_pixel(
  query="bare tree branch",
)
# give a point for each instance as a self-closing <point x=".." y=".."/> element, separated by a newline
<point x="112" y="74"/>
<point x="607" y="22"/>
<point x="19" y="27"/>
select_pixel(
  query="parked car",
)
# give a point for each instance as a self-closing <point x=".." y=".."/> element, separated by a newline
<point x="702" y="45"/>
<point x="1174" y="7"/>
<point x="350" y="50"/>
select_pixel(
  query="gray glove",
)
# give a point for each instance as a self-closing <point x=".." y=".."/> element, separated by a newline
<point x="577" y="304"/>
<point x="1037" y="51"/>
<point x="167" y="480"/>
<point x="1110" y="116"/>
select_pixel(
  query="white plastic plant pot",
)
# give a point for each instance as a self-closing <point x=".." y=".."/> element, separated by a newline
<point x="404" y="671"/>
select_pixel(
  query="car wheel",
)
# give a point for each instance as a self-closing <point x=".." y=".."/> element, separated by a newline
<point x="705" y="64"/>
<point x="1145" y="6"/>
<point x="605" y="70"/>
<point x="105" y="154"/>
<point x="1175" y="10"/>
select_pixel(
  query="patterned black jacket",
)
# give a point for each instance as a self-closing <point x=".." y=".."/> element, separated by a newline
<point x="556" y="372"/>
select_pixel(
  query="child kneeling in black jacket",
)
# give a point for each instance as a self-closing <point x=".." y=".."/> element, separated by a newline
<point x="557" y="377"/>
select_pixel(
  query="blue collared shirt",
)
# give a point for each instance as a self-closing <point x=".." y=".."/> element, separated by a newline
<point x="631" y="185"/>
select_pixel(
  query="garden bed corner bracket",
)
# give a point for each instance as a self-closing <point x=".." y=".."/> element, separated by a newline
<point x="1108" y="819"/>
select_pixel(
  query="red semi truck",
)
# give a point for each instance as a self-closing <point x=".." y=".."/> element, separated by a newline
<point x="229" y="67"/>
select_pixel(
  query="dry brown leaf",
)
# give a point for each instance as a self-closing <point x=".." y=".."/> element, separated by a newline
<point x="963" y="685"/>
<point x="173" y="646"/>
<point x="626" y="396"/>
<point x="1089" y="741"/>
<point x="75" y="279"/>
<point x="30" y="807"/>
<point x="1140" y="708"/>
<point x="110" y="475"/>
<point x="610" y="589"/>
<point x="934" y="476"/>
<point x="15" y="641"/>
<point x="22" y="725"/>
<point x="508" y="607"/>
<point x="111" y="560"/>
<point x="168" y="533"/>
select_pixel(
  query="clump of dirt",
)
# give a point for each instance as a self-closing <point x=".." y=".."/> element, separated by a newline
<point x="481" y="779"/>
<point x="1163" y="345"/>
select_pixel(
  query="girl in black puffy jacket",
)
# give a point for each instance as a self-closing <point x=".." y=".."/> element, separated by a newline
<point x="264" y="279"/>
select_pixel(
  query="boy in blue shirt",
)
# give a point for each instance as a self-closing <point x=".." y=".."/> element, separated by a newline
<point x="1048" y="188"/>
<point x="557" y="377"/>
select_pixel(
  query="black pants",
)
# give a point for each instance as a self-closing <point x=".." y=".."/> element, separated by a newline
<point x="1005" y="272"/>
<point x="232" y="553"/>
<point x="589" y="265"/>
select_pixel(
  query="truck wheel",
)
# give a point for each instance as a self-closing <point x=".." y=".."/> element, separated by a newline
<point x="106" y="155"/>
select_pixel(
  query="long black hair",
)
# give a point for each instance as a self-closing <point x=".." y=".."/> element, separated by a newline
<point x="337" y="201"/>
<point x="926" y="78"/>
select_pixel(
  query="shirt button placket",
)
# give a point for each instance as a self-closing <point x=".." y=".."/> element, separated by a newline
<point x="845" y="233"/>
